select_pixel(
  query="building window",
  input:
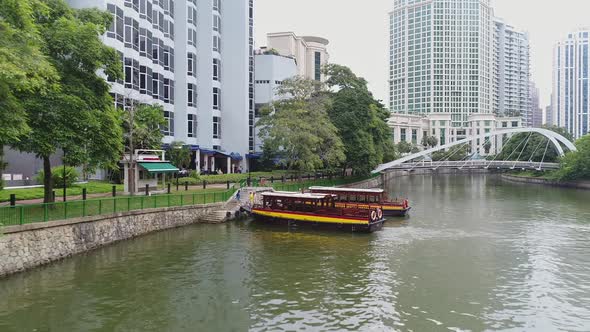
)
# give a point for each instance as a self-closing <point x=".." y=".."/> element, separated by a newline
<point x="155" y="85"/>
<point x="504" y="124"/>
<point x="217" y="5"/>
<point x="192" y="125"/>
<point x="192" y="37"/>
<point x="168" y="129"/>
<point x="216" y="69"/>
<point x="192" y="95"/>
<point x="217" y="44"/>
<point x="216" y="127"/>
<point x="402" y="134"/>
<point x="131" y="33"/>
<point x="116" y="30"/>
<point x="217" y="23"/>
<point x="487" y="123"/>
<point x="514" y="124"/>
<point x="216" y="98"/>
<point x="318" y="66"/>
<point x="145" y="80"/>
<point x="414" y="136"/>
<point x="192" y="16"/>
<point x="191" y="64"/>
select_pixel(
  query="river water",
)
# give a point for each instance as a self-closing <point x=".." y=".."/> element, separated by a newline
<point x="476" y="254"/>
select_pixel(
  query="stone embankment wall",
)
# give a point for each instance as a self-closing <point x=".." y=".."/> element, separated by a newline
<point x="27" y="246"/>
<point x="547" y="182"/>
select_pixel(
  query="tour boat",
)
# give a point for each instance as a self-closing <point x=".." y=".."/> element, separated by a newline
<point x="365" y="199"/>
<point x="317" y="209"/>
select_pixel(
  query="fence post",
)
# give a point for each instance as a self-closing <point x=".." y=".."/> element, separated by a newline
<point x="176" y="183"/>
<point x="45" y="212"/>
<point x="228" y="184"/>
<point x="142" y="198"/>
<point x="128" y="203"/>
<point x="181" y="200"/>
<point x="186" y="186"/>
<point x="114" y="189"/>
<point x="99" y="206"/>
<point x="194" y="198"/>
<point x="65" y="210"/>
<point x="214" y="198"/>
<point x="53" y="194"/>
<point x="147" y="189"/>
<point x="84" y="208"/>
<point x="168" y="197"/>
<point x="114" y="205"/>
<point x="168" y="188"/>
<point x="22" y="214"/>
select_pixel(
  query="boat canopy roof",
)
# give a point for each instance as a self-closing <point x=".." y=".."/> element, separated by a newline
<point x="291" y="195"/>
<point x="346" y="190"/>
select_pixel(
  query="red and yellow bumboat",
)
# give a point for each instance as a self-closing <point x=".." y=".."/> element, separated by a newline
<point x="316" y="209"/>
<point x="365" y="199"/>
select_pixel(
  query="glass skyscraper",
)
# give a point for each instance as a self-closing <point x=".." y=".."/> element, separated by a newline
<point x="441" y="58"/>
<point x="570" y="83"/>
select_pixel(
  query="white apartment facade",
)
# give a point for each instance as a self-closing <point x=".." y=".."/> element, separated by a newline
<point x="441" y="58"/>
<point x="309" y="52"/>
<point x="195" y="58"/>
<point x="512" y="92"/>
<point x="570" y="99"/>
<point x="271" y="71"/>
<point x="412" y="128"/>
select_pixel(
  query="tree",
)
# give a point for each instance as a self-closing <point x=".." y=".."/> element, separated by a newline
<point x="142" y="131"/>
<point x="179" y="154"/>
<point x="76" y="115"/>
<point x="576" y="165"/>
<point x="429" y="141"/>
<point x="404" y="147"/>
<point x="455" y="153"/>
<point x="360" y="118"/>
<point x="297" y="128"/>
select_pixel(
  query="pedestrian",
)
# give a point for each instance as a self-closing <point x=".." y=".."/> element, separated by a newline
<point x="238" y="195"/>
<point x="251" y="198"/>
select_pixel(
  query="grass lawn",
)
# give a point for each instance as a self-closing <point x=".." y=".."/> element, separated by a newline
<point x="93" y="187"/>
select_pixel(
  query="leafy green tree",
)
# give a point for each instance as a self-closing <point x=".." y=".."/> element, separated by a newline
<point x="179" y="154"/>
<point x="76" y="115"/>
<point x="429" y="141"/>
<point x="297" y="128"/>
<point x="576" y="165"/>
<point x="404" y="147"/>
<point x="360" y="118"/>
<point x="141" y="131"/>
<point x="455" y="153"/>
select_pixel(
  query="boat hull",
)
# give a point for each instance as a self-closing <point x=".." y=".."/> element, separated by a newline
<point x="388" y="210"/>
<point x="339" y="222"/>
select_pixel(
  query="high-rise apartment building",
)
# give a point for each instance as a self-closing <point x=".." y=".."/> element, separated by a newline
<point x="196" y="59"/>
<point x="570" y="100"/>
<point x="310" y="52"/>
<point x="441" y="58"/>
<point x="534" y="117"/>
<point x="512" y="93"/>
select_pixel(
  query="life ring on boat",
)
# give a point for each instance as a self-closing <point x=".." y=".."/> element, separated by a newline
<point x="406" y="204"/>
<point x="379" y="214"/>
<point x="373" y="215"/>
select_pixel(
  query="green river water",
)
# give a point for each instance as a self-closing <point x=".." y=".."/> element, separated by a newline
<point x="476" y="254"/>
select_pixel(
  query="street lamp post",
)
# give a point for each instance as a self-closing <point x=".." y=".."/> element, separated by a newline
<point x="64" y="175"/>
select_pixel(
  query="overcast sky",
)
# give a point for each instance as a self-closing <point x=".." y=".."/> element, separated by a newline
<point x="358" y="31"/>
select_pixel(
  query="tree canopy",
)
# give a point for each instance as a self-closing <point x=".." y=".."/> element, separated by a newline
<point x="179" y="154"/>
<point x="76" y="114"/>
<point x="360" y="118"/>
<point x="576" y="165"/>
<point x="297" y="129"/>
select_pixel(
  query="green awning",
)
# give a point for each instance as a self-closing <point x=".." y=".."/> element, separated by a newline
<point x="159" y="167"/>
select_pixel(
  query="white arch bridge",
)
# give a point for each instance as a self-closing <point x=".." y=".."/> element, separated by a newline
<point x="419" y="160"/>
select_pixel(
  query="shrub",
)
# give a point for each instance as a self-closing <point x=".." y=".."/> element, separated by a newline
<point x="190" y="180"/>
<point x="57" y="176"/>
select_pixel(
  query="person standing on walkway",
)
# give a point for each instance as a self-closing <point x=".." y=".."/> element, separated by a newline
<point x="251" y="198"/>
<point x="238" y="195"/>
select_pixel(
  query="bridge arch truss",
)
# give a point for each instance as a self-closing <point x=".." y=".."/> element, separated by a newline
<point x="555" y="139"/>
